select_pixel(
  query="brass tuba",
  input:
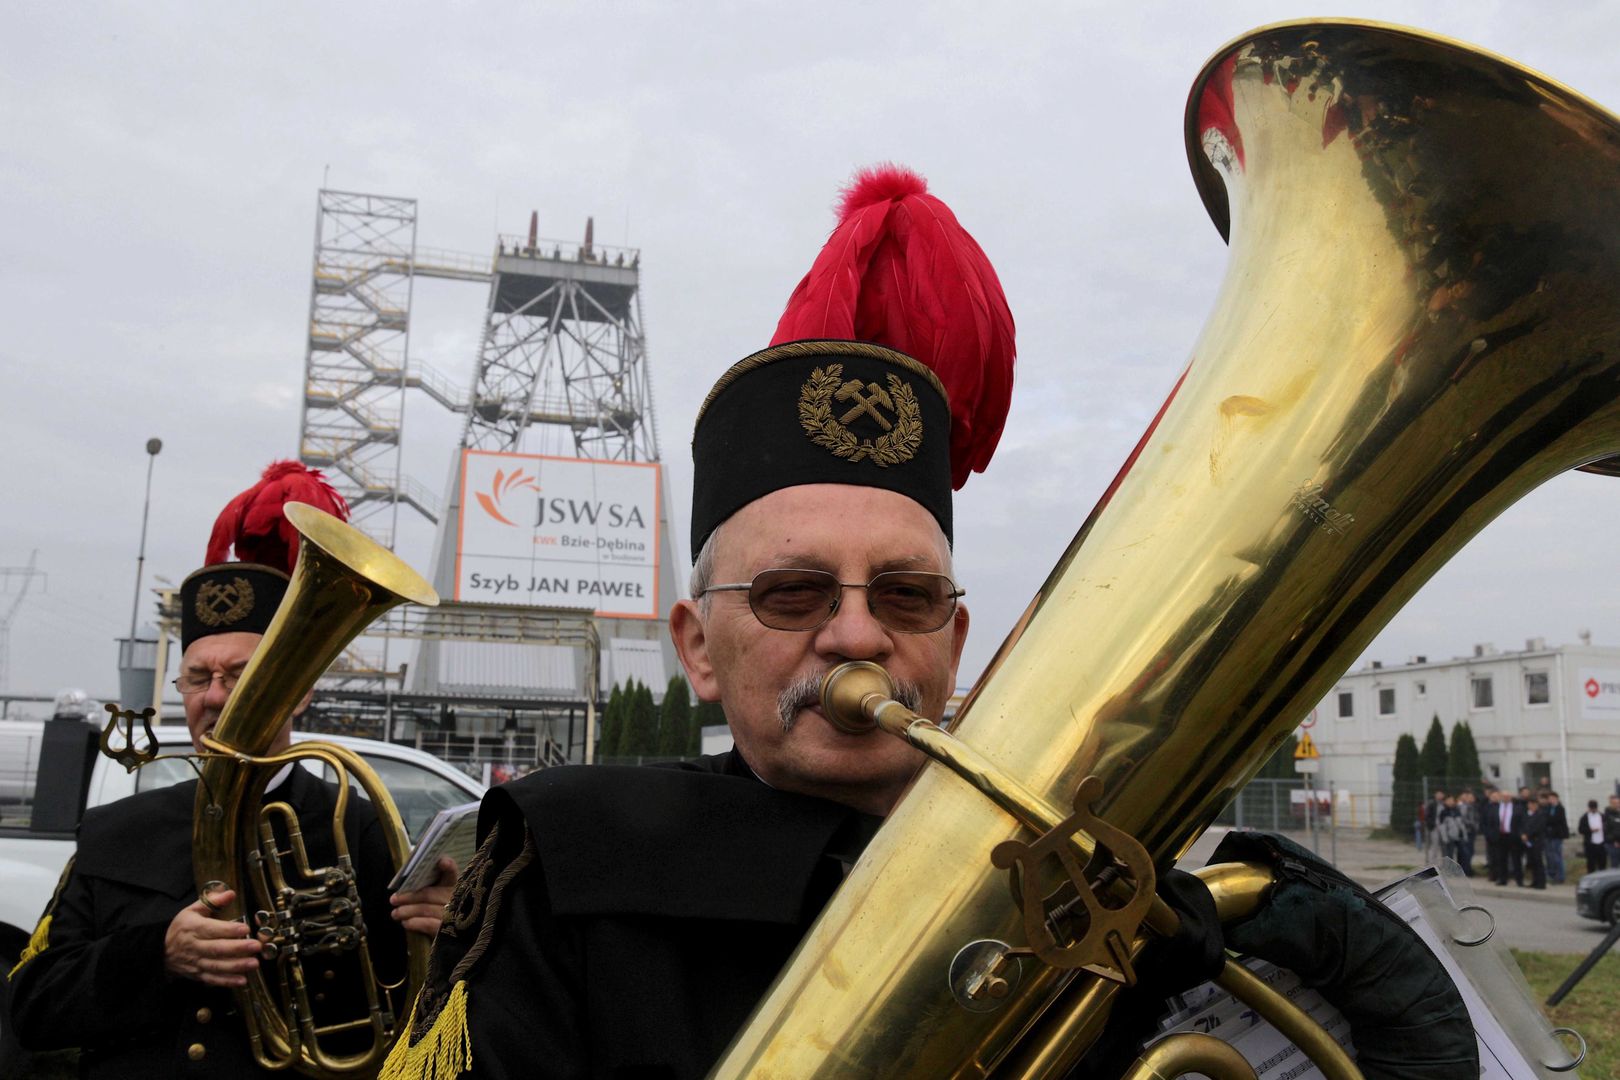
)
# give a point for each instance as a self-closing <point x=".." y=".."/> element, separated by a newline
<point x="1420" y="323"/>
<point x="341" y="583"/>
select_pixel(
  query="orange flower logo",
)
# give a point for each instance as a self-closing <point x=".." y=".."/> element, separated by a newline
<point x="505" y="483"/>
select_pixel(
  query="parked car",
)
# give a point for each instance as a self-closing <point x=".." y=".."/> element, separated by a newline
<point x="31" y="861"/>
<point x="1597" y="896"/>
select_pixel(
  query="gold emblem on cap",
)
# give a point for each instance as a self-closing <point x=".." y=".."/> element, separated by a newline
<point x="221" y="603"/>
<point x="894" y="409"/>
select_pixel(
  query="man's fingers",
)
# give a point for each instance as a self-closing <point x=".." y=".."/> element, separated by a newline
<point x="212" y="901"/>
<point x="227" y="947"/>
<point x="406" y="912"/>
<point x="217" y="928"/>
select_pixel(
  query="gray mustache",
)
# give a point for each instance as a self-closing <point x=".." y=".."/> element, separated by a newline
<point x="805" y="691"/>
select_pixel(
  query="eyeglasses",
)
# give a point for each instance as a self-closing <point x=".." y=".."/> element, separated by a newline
<point x="905" y="601"/>
<point x="197" y="681"/>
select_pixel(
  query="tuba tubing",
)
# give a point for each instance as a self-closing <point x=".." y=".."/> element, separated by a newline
<point x="1419" y="324"/>
<point x="341" y="583"/>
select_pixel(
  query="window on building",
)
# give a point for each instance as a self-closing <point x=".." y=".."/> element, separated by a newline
<point x="1386" y="701"/>
<point x="1591" y="772"/>
<point x="1421" y="688"/>
<point x="1347" y="704"/>
<point x="1481" y="687"/>
<point x="1535" y="688"/>
<point x="1496" y="772"/>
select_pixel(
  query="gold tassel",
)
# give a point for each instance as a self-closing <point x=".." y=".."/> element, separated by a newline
<point x="36" y="945"/>
<point x="444" y="1053"/>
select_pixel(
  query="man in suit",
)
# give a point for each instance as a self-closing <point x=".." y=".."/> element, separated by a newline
<point x="1552" y="850"/>
<point x="1533" y="834"/>
<point x="1506" y="826"/>
<point x="1590" y="827"/>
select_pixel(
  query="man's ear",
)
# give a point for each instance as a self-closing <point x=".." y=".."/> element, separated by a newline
<point x="692" y="646"/>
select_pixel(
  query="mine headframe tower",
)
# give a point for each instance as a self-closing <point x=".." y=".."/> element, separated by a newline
<point x="564" y="351"/>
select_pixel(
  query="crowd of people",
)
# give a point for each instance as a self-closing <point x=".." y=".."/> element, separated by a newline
<point x="1523" y="833"/>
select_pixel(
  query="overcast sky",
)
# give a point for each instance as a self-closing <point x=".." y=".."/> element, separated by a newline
<point x="159" y="164"/>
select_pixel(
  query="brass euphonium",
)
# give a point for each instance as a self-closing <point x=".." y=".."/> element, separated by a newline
<point x="342" y="582"/>
<point x="1420" y="323"/>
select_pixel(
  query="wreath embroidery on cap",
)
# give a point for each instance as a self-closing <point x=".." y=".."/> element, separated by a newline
<point x="220" y="603"/>
<point x="893" y="408"/>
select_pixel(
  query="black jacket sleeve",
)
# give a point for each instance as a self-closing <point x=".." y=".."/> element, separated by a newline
<point x="85" y="990"/>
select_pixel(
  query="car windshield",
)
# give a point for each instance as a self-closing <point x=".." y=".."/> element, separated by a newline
<point x="417" y="793"/>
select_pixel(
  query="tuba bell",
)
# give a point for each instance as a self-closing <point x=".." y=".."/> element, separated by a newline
<point x="1419" y="324"/>
<point x="341" y="583"/>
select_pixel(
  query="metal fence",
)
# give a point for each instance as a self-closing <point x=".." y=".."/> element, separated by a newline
<point x="1311" y="815"/>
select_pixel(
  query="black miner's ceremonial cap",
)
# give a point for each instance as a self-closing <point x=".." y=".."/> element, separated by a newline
<point x="821" y="412"/>
<point x="229" y="597"/>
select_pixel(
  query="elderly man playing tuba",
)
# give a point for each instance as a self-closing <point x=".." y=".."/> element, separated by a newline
<point x="621" y="922"/>
<point x="129" y="963"/>
<point x="624" y="921"/>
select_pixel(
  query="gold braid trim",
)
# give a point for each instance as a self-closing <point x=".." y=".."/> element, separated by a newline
<point x="41" y="937"/>
<point x="444" y="1053"/>
<point x="444" y="1050"/>
<point x="36" y="945"/>
<point x="796" y="349"/>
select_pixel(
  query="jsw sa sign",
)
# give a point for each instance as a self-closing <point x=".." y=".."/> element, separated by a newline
<point x="558" y="532"/>
<point x="1599" y="692"/>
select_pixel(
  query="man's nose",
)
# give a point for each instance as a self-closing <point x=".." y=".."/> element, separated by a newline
<point x="216" y="695"/>
<point x="852" y="632"/>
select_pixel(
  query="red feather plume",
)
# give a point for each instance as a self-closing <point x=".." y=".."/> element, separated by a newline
<point x="899" y="270"/>
<point x="253" y="522"/>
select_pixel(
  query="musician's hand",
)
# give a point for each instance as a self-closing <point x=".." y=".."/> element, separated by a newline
<point x="199" y="945"/>
<point x="421" y="910"/>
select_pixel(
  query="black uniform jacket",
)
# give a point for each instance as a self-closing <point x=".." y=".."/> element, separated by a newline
<point x="623" y="922"/>
<point x="99" y="982"/>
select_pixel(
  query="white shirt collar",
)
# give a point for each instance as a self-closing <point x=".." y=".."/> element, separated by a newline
<point x="280" y="777"/>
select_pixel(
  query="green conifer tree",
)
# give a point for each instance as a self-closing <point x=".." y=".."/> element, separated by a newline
<point x="707" y="714"/>
<point x="1463" y="766"/>
<point x="674" y="719"/>
<point x="1434" y="761"/>
<point x="612" y="724"/>
<point x="1407" y="793"/>
<point x="625" y="744"/>
<point x="643" y="723"/>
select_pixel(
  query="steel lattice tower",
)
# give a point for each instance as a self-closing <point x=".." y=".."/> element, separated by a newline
<point x="563" y="346"/>
<point x="561" y="371"/>
<point x="354" y="367"/>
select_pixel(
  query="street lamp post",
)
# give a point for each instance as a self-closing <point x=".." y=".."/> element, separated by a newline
<point x="152" y="448"/>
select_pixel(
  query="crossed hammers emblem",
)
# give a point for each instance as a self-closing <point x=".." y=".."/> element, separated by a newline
<point x="866" y="402"/>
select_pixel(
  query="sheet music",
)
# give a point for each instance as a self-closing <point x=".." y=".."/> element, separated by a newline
<point x="453" y="832"/>
<point x="1213" y="1011"/>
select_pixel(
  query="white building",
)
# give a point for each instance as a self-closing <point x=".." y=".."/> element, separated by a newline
<point x="1543" y="714"/>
